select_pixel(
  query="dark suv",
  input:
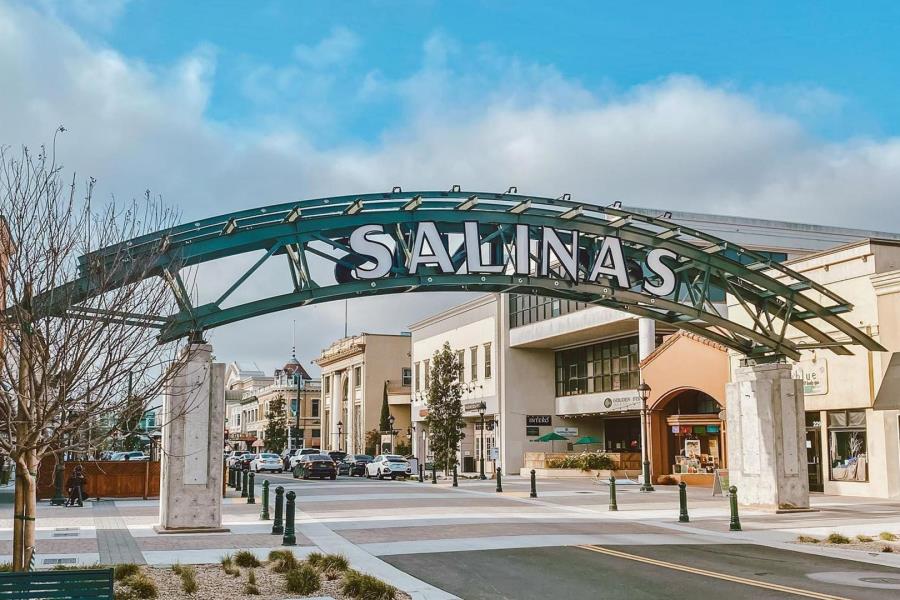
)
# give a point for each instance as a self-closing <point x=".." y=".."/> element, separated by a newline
<point x="354" y="464"/>
<point x="315" y="465"/>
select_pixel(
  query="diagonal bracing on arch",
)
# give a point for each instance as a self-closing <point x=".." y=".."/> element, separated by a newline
<point x="400" y="242"/>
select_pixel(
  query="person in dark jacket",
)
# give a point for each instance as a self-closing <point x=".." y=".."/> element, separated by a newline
<point x="75" y="486"/>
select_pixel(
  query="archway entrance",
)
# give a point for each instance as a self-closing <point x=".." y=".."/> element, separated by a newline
<point x="691" y="437"/>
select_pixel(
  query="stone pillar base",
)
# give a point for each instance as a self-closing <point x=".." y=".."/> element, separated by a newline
<point x="766" y="438"/>
<point x="164" y="530"/>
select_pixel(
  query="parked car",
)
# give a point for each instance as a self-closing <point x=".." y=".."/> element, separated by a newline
<point x="315" y="465"/>
<point x="337" y="455"/>
<point x="295" y="458"/>
<point x="236" y="456"/>
<point x="388" y="465"/>
<point x="354" y="464"/>
<point x="133" y="455"/>
<point x="266" y="461"/>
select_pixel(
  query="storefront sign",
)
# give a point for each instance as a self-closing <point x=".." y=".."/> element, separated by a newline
<point x="532" y="431"/>
<point x="538" y="420"/>
<point x="568" y="431"/>
<point x="621" y="401"/>
<point x="814" y="374"/>
<point x="473" y="406"/>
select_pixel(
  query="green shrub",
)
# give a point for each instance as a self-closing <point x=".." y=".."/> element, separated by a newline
<point x="585" y="461"/>
<point x="314" y="558"/>
<point x="887" y="549"/>
<point x="246" y="559"/>
<point x="124" y="594"/>
<point x="125" y="570"/>
<point x="332" y="562"/>
<point x="807" y="539"/>
<point x="188" y="576"/>
<point x="837" y="538"/>
<point x="863" y="539"/>
<point x="142" y="586"/>
<point x="228" y="566"/>
<point x="250" y="588"/>
<point x="282" y="561"/>
<point x="887" y="536"/>
<point x="302" y="580"/>
<point x="251" y="577"/>
<point x="360" y="586"/>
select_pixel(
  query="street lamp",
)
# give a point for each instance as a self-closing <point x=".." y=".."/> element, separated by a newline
<point x="340" y="425"/>
<point x="391" y="421"/>
<point x="644" y="392"/>
<point x="481" y="408"/>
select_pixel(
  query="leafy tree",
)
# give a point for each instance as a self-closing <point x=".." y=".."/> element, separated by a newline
<point x="373" y="442"/>
<point x="276" y="429"/>
<point x="444" y="420"/>
<point x="385" y="421"/>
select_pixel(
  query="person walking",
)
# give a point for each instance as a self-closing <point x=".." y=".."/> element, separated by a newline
<point x="75" y="485"/>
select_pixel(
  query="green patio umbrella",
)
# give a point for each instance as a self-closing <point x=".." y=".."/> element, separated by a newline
<point x="588" y="439"/>
<point x="551" y="437"/>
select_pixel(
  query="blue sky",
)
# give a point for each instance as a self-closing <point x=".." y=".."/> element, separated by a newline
<point x="849" y="56"/>
<point x="779" y="110"/>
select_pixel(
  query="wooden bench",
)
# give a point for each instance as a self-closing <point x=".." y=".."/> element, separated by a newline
<point x="80" y="584"/>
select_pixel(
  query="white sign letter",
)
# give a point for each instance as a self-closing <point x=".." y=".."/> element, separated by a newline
<point x="378" y="252"/>
<point x="434" y="254"/>
<point x="664" y="271"/>
<point x="610" y="261"/>
<point x="568" y="257"/>
<point x="473" y="252"/>
<point x="523" y="251"/>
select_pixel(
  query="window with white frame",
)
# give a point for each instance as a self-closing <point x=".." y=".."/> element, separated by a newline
<point x="487" y="360"/>
<point x="473" y="352"/>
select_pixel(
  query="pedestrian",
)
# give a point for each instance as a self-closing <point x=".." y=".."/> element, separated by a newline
<point x="76" y="487"/>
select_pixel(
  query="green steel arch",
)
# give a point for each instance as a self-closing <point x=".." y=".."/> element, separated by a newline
<point x="770" y="302"/>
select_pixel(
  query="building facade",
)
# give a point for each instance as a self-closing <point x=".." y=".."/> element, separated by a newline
<point x="358" y="373"/>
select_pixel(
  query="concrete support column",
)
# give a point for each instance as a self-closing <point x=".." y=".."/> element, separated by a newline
<point x="348" y="422"/>
<point x="193" y="432"/>
<point x="646" y="345"/>
<point x="646" y="337"/>
<point x="766" y="437"/>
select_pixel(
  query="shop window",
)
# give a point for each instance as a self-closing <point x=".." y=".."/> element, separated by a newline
<point x="487" y="360"/>
<point x="847" y="445"/>
<point x="461" y="361"/>
<point x="473" y="351"/>
<point x="406" y="376"/>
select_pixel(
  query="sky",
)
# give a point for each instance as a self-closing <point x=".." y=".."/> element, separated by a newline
<point x="766" y="109"/>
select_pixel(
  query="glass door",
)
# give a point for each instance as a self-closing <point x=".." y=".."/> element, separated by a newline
<point x="814" y="451"/>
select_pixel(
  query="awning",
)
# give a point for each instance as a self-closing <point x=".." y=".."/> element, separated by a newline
<point x="888" y="397"/>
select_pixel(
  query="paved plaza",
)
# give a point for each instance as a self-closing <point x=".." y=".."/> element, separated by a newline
<point x="436" y="541"/>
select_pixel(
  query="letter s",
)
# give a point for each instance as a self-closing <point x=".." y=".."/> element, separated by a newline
<point x="662" y="270"/>
<point x="379" y="252"/>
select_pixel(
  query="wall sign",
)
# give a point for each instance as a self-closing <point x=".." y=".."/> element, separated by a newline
<point x="538" y="420"/>
<point x="532" y="431"/>
<point x="814" y="374"/>
<point x="567" y="431"/>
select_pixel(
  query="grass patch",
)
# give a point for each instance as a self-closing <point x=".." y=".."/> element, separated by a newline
<point x="863" y="539"/>
<point x="5" y="567"/>
<point x="303" y="579"/>
<point x="124" y="594"/>
<point x="282" y="561"/>
<point x="250" y="588"/>
<point x="887" y="536"/>
<point x="887" y="549"/>
<point x="837" y="538"/>
<point x="360" y="586"/>
<point x="125" y="570"/>
<point x="188" y="576"/>
<point x="246" y="559"/>
<point x="807" y="539"/>
<point x="142" y="586"/>
<point x="328" y="562"/>
<point x="229" y="567"/>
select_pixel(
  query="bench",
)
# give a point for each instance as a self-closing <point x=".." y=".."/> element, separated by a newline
<point x="76" y="584"/>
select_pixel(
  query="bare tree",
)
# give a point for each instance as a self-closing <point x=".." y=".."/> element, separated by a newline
<point x="75" y="346"/>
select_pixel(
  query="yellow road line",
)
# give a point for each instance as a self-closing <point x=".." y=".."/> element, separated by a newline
<point x="713" y="574"/>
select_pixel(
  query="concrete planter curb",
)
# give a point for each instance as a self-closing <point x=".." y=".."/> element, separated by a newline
<point x="568" y="473"/>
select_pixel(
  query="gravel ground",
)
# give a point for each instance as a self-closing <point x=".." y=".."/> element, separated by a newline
<point x="214" y="584"/>
<point x="876" y="545"/>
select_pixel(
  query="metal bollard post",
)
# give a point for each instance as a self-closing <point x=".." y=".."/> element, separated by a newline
<point x="421" y="473"/>
<point x="244" y="483"/>
<point x="289" y="538"/>
<point x="613" y="505"/>
<point x="229" y="477"/>
<point x="455" y="482"/>
<point x="237" y="481"/>
<point x="433" y="473"/>
<point x="277" y="527"/>
<point x="264" y="514"/>
<point x="735" y="524"/>
<point x="499" y="481"/>
<point x="682" y="503"/>
<point x="533" y="493"/>
<point x="251" y="489"/>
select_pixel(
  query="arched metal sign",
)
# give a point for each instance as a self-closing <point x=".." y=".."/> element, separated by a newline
<point x="353" y="246"/>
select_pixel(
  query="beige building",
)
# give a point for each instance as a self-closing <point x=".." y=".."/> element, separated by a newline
<point x="852" y="402"/>
<point x="357" y="372"/>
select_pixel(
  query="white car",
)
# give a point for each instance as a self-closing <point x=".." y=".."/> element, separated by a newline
<point x="267" y="462"/>
<point x="134" y="455"/>
<point x="236" y="456"/>
<point x="388" y="465"/>
<point x="295" y="457"/>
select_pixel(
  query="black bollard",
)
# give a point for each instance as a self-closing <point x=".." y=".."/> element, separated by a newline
<point x="58" y="476"/>
<point x="433" y="473"/>
<point x="533" y="493"/>
<point x="237" y="481"/>
<point x="251" y="489"/>
<point x="421" y="473"/>
<point x="244" y="483"/>
<point x="277" y="527"/>
<point x="264" y="514"/>
<point x="499" y="481"/>
<point x="613" y="505"/>
<point x="289" y="538"/>
<point x="682" y="503"/>
<point x="735" y="523"/>
<point x="455" y="482"/>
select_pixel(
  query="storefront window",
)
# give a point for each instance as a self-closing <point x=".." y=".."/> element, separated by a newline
<point x="847" y="445"/>
<point x="605" y="367"/>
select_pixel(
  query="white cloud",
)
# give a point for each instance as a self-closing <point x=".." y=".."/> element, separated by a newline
<point x="676" y="143"/>
<point x="340" y="45"/>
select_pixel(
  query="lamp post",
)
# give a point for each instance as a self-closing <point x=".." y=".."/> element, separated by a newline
<point x="644" y="392"/>
<point x="481" y="408"/>
<point x="391" y="421"/>
<point x="340" y="426"/>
